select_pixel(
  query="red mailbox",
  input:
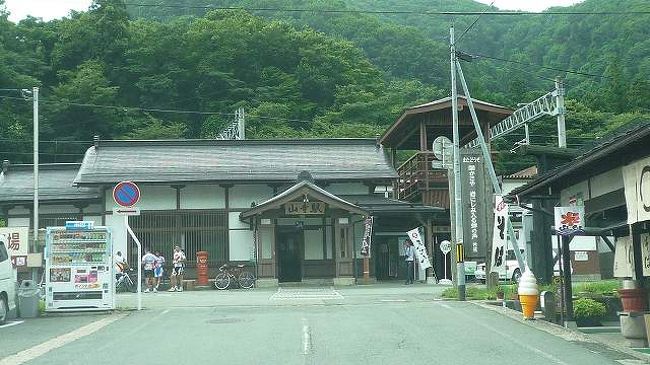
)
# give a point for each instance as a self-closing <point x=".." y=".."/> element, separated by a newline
<point x="202" y="268"/>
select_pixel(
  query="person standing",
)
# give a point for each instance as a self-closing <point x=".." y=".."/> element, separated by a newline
<point x="158" y="270"/>
<point x="409" y="251"/>
<point x="176" y="277"/>
<point x="149" y="263"/>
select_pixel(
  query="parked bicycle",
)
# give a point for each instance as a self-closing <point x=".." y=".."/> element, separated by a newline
<point x="127" y="281"/>
<point x="229" y="274"/>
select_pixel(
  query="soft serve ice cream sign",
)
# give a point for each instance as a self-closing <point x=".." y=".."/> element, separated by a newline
<point x="528" y="294"/>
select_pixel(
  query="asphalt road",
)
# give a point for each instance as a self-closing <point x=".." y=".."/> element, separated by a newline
<point x="295" y="326"/>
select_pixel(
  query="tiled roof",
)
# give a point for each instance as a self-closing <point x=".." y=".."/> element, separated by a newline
<point x="234" y="160"/>
<point x="55" y="183"/>
<point x="525" y="174"/>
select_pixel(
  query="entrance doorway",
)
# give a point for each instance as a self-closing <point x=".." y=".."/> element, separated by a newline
<point x="290" y="244"/>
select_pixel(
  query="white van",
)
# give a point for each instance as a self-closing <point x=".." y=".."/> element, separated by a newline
<point x="7" y="282"/>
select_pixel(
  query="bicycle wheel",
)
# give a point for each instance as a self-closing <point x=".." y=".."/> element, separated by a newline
<point x="246" y="280"/>
<point x="222" y="281"/>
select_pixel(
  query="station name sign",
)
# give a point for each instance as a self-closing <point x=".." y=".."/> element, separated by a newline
<point x="308" y="208"/>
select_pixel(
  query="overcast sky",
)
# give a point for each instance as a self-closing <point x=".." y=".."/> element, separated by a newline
<point x="52" y="9"/>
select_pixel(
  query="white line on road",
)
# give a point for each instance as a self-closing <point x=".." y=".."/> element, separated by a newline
<point x="14" y="323"/>
<point x="47" y="346"/>
<point x="164" y="312"/>
<point x="306" y="338"/>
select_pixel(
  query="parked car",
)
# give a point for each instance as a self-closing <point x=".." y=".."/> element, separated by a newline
<point x="511" y="270"/>
<point x="7" y="282"/>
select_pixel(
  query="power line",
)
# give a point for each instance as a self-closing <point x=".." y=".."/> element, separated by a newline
<point x="477" y="55"/>
<point x="474" y="22"/>
<point x="393" y="12"/>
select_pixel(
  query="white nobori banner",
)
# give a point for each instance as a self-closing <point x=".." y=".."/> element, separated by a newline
<point x="500" y="235"/>
<point x="420" y="250"/>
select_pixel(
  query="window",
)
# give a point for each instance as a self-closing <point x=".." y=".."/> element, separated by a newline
<point x="344" y="244"/>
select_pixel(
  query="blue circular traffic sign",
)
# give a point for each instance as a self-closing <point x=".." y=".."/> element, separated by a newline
<point x="126" y="194"/>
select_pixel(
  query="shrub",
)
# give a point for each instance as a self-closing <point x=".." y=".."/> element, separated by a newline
<point x="585" y="308"/>
<point x="606" y="287"/>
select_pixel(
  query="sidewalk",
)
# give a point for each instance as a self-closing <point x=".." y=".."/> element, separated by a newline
<point x="608" y="337"/>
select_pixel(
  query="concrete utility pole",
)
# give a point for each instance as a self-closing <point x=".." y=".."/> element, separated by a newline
<point x="35" y="101"/>
<point x="458" y="218"/>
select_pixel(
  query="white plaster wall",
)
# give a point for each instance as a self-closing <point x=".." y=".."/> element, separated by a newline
<point x="582" y="187"/>
<point x="240" y="245"/>
<point x="151" y="198"/>
<point x="118" y="231"/>
<point x="18" y="222"/>
<point x="580" y="243"/>
<point x="347" y="188"/>
<point x="314" y="244"/>
<point x="235" y="223"/>
<point x="241" y="196"/>
<point x="607" y="182"/>
<point x="203" y="197"/>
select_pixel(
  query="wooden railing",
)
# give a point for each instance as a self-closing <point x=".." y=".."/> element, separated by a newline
<point x="417" y="175"/>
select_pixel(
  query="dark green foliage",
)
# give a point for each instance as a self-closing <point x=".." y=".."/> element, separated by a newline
<point x="585" y="308"/>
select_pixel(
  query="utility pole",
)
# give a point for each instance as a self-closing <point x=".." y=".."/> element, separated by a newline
<point x="561" y="125"/>
<point x="35" y="101"/>
<point x="458" y="218"/>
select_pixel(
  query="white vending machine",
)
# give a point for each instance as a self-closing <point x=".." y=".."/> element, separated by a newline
<point x="79" y="268"/>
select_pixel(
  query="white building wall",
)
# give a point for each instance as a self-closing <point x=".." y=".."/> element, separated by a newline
<point x="347" y="188"/>
<point x="151" y="198"/>
<point x="241" y="196"/>
<point x="607" y="182"/>
<point x="240" y="245"/>
<point x="203" y="197"/>
<point x="18" y="222"/>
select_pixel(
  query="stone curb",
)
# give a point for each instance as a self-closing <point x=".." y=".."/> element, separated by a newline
<point x="560" y="331"/>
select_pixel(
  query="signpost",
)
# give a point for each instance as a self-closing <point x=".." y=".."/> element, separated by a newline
<point x="127" y="194"/>
<point x="568" y="222"/>
<point x="445" y="247"/>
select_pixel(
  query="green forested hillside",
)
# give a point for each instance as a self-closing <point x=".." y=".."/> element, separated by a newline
<point x="301" y="74"/>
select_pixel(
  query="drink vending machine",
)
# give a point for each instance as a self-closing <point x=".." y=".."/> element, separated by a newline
<point x="79" y="268"/>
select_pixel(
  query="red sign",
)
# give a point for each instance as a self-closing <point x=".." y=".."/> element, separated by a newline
<point x="126" y="194"/>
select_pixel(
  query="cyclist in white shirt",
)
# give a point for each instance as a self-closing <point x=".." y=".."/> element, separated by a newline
<point x="176" y="277"/>
<point x="149" y="263"/>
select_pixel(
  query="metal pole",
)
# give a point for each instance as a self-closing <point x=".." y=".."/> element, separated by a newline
<point x="527" y="131"/>
<point x="137" y="242"/>
<point x="493" y="175"/>
<point x="561" y="126"/>
<point x="460" y="266"/>
<point x="36" y="224"/>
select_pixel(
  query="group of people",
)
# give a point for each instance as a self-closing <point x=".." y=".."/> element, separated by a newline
<point x="153" y="265"/>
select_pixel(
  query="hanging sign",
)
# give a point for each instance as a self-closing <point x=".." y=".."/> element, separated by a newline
<point x="475" y="232"/>
<point x="569" y="220"/>
<point x="624" y="258"/>
<point x="636" y="179"/>
<point x="499" y="235"/>
<point x="645" y="253"/>
<point x="420" y="249"/>
<point x="367" y="236"/>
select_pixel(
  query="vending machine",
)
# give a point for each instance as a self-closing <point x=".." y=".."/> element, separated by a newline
<point x="79" y="268"/>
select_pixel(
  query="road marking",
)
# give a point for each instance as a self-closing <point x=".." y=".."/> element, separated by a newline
<point x="164" y="312"/>
<point x="306" y="338"/>
<point x="47" y="346"/>
<point x="393" y="300"/>
<point x="306" y="294"/>
<point x="445" y="306"/>
<point x="10" y="324"/>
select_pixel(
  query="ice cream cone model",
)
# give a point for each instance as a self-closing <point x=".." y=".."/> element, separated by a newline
<point x="528" y="294"/>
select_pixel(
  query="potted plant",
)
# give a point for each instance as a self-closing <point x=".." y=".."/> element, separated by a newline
<point x="588" y="312"/>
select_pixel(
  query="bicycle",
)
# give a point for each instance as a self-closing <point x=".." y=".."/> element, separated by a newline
<point x="125" y="283"/>
<point x="245" y="279"/>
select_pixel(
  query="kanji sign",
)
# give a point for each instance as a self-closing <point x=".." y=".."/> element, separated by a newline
<point x="367" y="236"/>
<point x="17" y="240"/>
<point x="475" y="232"/>
<point x="420" y="250"/>
<point x="126" y="194"/>
<point x="500" y="236"/>
<point x="310" y="208"/>
<point x="569" y="220"/>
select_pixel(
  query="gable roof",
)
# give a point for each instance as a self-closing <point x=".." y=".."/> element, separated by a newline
<point x="109" y="162"/>
<point x="303" y="188"/>
<point x="55" y="183"/>
<point x="525" y="174"/>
